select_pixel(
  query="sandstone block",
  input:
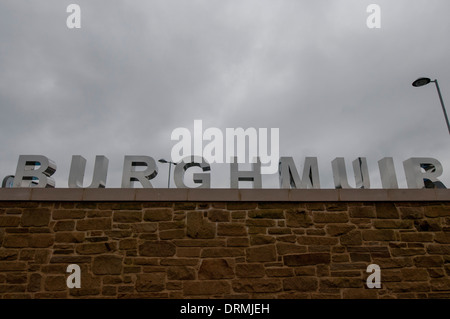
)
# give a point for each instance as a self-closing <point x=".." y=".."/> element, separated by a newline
<point x="249" y="270"/>
<point x="437" y="211"/>
<point x="107" y="265"/>
<point x="199" y="227"/>
<point x="307" y="259"/>
<point x="215" y="269"/>
<point x="386" y="210"/>
<point x="330" y="217"/>
<point x="206" y="287"/>
<point x="127" y="216"/>
<point x="298" y="218"/>
<point x="261" y="253"/>
<point x="9" y="221"/>
<point x="338" y="229"/>
<point x="362" y="212"/>
<point x="411" y="212"/>
<point x="35" y="217"/>
<point x="288" y="248"/>
<point x="231" y="229"/>
<point x="266" y="213"/>
<point x="428" y="261"/>
<point x="378" y="235"/>
<point x="34" y="284"/>
<point x="68" y="214"/>
<point x="180" y="273"/>
<point x="416" y="237"/>
<point x="216" y="215"/>
<point x="94" y="224"/>
<point x="300" y="284"/>
<point x="55" y="283"/>
<point x="158" y="214"/>
<point x="157" y="249"/>
<point x="257" y="285"/>
<point x="317" y="240"/>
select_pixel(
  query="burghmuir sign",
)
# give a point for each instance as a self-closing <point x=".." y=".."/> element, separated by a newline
<point x="36" y="171"/>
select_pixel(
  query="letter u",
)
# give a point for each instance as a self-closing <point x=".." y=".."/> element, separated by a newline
<point x="78" y="168"/>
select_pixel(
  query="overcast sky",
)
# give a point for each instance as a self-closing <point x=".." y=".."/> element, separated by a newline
<point x="136" y="70"/>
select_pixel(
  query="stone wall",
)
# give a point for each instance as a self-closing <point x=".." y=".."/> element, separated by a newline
<point x="223" y="249"/>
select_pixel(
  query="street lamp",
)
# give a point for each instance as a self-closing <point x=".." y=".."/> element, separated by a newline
<point x="170" y="166"/>
<point x="424" y="81"/>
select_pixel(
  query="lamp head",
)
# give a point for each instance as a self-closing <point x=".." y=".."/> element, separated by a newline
<point x="421" y="82"/>
<point x="162" y="160"/>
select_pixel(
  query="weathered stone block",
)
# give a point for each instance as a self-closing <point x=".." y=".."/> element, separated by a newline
<point x="378" y="235"/>
<point x="68" y="213"/>
<point x="338" y="229"/>
<point x="411" y="212"/>
<point x="307" y="259"/>
<point x="41" y="240"/>
<point x="199" y="227"/>
<point x="55" y="283"/>
<point x="414" y="274"/>
<point x="222" y="252"/>
<point x="288" y="248"/>
<point x="317" y="240"/>
<point x="94" y="224"/>
<point x="127" y="216"/>
<point x="145" y="227"/>
<point x="257" y="285"/>
<point x="64" y="225"/>
<point x="330" y="217"/>
<point x="9" y="221"/>
<point x="93" y="248"/>
<point x="362" y="212"/>
<point x="393" y="224"/>
<point x="16" y="241"/>
<point x="35" y="217"/>
<point x="216" y="215"/>
<point x="261" y="253"/>
<point x="437" y="211"/>
<point x="172" y="234"/>
<point x="249" y="270"/>
<point x="266" y="213"/>
<point x="238" y="242"/>
<point x="180" y="273"/>
<point x="341" y="282"/>
<point x="158" y="214"/>
<point x="128" y="243"/>
<point x="428" y="261"/>
<point x="298" y="218"/>
<point x="157" y="249"/>
<point x="279" y="272"/>
<point x="107" y="265"/>
<point x="231" y="229"/>
<point x="241" y="205"/>
<point x="386" y="210"/>
<point x="301" y="284"/>
<point x="215" y="269"/>
<point x="34" y="284"/>
<point x="206" y="287"/>
<point x="416" y="237"/>
<point x="442" y="237"/>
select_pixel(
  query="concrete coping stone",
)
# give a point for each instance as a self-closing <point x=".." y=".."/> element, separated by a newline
<point x="222" y="195"/>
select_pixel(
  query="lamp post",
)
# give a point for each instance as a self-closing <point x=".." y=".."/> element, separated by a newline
<point x="170" y="166"/>
<point x="424" y="81"/>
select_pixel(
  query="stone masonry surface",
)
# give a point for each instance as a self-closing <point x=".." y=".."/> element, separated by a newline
<point x="233" y="249"/>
